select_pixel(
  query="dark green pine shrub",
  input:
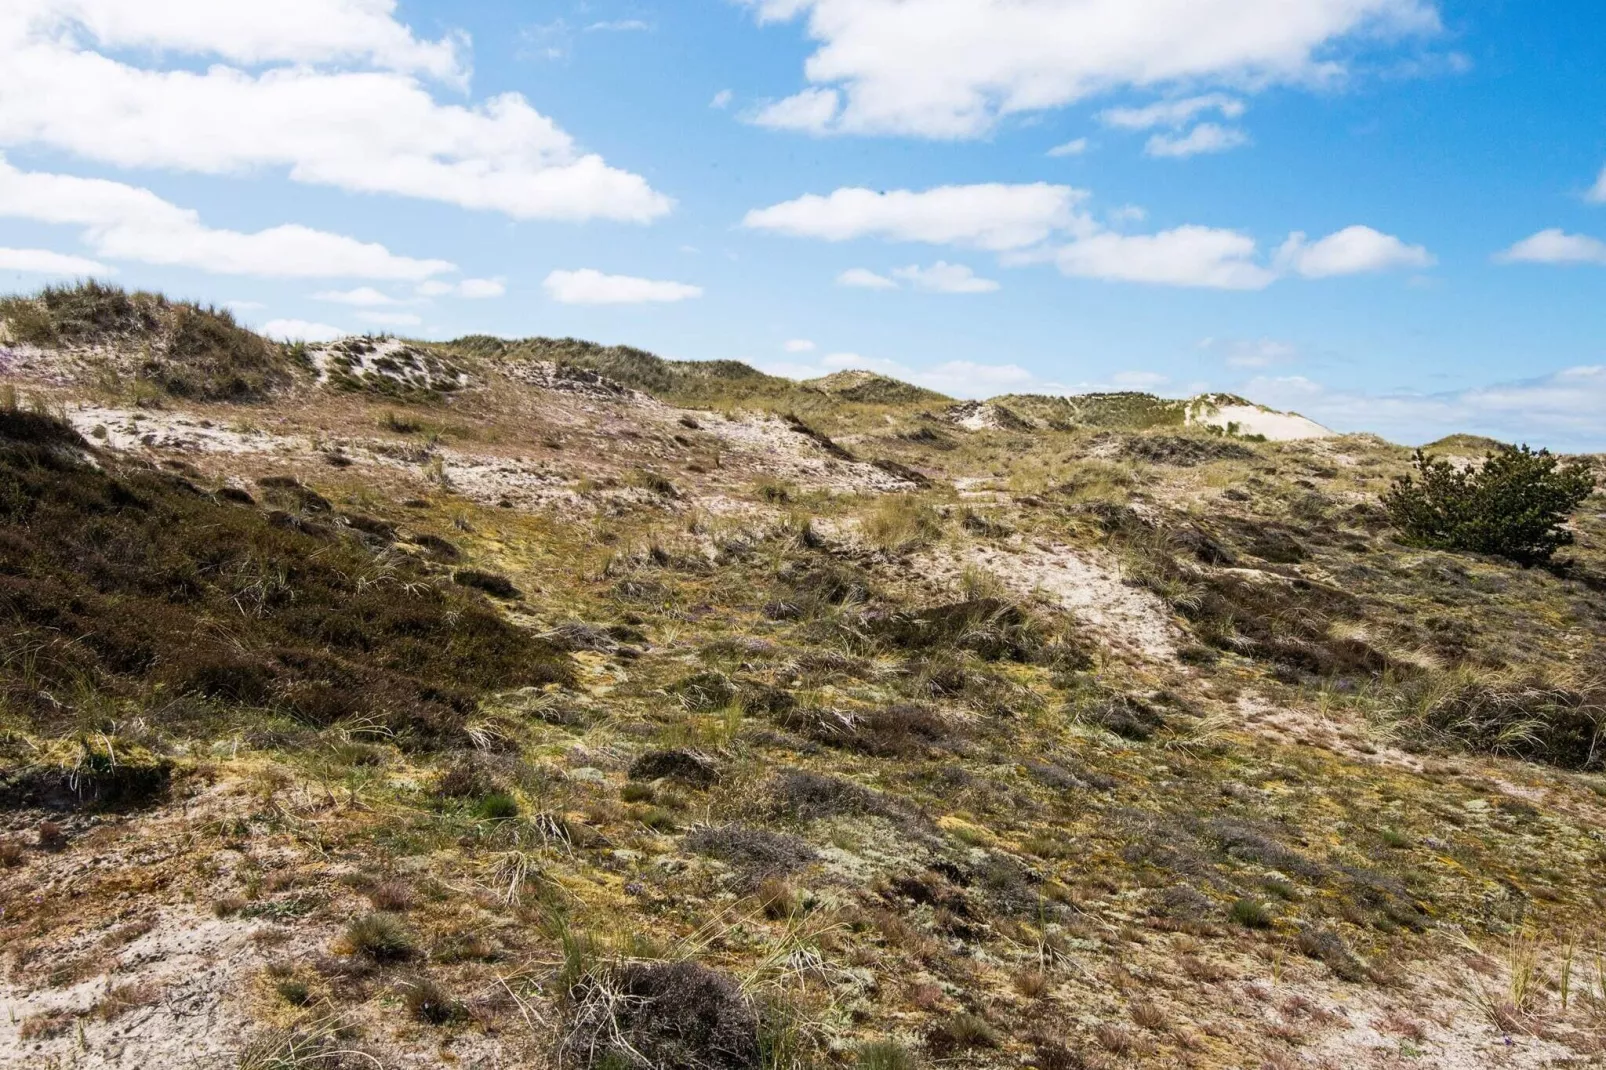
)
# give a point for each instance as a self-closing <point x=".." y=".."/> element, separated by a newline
<point x="1513" y="506"/>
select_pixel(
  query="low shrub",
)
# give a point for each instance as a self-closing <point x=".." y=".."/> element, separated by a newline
<point x="756" y="854"/>
<point x="490" y="582"/>
<point x="681" y="766"/>
<point x="1514" y="505"/>
<point x="678" y="1015"/>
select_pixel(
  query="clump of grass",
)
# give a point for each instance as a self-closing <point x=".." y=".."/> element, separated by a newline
<point x="394" y="897"/>
<point x="1251" y="914"/>
<point x="381" y="937"/>
<point x="428" y="1001"/>
<point x="497" y="806"/>
<point x="885" y="1055"/>
<point x="1559" y="719"/>
<point x="900" y="523"/>
<point x="960" y="1032"/>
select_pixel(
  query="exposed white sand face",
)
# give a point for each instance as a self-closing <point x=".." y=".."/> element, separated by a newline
<point x="1255" y="420"/>
<point x="1085" y="582"/>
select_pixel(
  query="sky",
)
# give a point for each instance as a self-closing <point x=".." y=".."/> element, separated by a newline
<point x="1389" y="215"/>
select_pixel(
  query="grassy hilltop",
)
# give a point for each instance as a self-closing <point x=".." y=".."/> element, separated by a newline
<point x="536" y="703"/>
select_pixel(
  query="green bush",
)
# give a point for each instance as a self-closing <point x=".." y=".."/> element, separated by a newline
<point x="1513" y="506"/>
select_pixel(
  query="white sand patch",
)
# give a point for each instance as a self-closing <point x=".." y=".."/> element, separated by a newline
<point x="1086" y="583"/>
<point x="370" y="361"/>
<point x="193" y="966"/>
<point x="1255" y="420"/>
<point x="768" y="445"/>
<point x="985" y="416"/>
<point x="177" y="432"/>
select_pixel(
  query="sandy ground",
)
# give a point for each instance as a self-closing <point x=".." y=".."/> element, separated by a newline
<point x="1085" y="582"/>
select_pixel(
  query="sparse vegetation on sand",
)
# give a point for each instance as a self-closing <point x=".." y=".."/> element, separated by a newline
<point x="588" y="710"/>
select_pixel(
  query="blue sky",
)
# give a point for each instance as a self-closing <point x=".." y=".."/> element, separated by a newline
<point x="1387" y="214"/>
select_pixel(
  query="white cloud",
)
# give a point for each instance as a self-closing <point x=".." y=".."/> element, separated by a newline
<point x="1206" y="137"/>
<point x="391" y="319"/>
<point x="1553" y="246"/>
<point x="362" y="296"/>
<point x="989" y="216"/>
<point x="1074" y="147"/>
<point x="1127" y="213"/>
<point x="301" y="331"/>
<point x="44" y="262"/>
<point x="591" y="287"/>
<point x="722" y="100"/>
<point x="299" y="31"/>
<point x="1185" y="256"/>
<point x="244" y="306"/>
<point x="371" y="126"/>
<point x="1560" y="410"/>
<point x="1597" y="192"/>
<point x="1351" y="251"/>
<point x="481" y="289"/>
<point x="943" y="277"/>
<point x="810" y="111"/>
<point x="128" y="223"/>
<point x="1251" y="353"/>
<point x="799" y="345"/>
<point x="472" y="289"/>
<point x="865" y="279"/>
<point x="619" y="26"/>
<point x="1021" y="223"/>
<point x="952" y="68"/>
<point x="1172" y="113"/>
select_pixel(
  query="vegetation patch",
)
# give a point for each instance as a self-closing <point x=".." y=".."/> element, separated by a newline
<point x="1513" y="505"/>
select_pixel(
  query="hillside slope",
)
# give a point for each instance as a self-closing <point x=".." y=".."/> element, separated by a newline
<point x="539" y="704"/>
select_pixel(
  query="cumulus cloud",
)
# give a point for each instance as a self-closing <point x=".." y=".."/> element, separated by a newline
<point x="362" y="296"/>
<point x="300" y="31"/>
<point x="1351" y="251"/>
<point x="1172" y="113"/>
<point x="1554" y="246"/>
<point x="473" y="289"/>
<point x="1597" y="192"/>
<point x="1074" y="147"/>
<point x="1204" y="138"/>
<point x="1185" y="256"/>
<point x="991" y="216"/>
<point x="722" y="100"/>
<point x="591" y="287"/>
<point x="1041" y="222"/>
<point x="810" y="111"/>
<point x="865" y="279"/>
<point x="481" y="289"/>
<point x="943" y="277"/>
<point x="1560" y="410"/>
<point x="799" y="345"/>
<point x="1251" y="353"/>
<point x="123" y="222"/>
<point x="944" y="69"/>
<point x="301" y="331"/>
<point x="330" y="93"/>
<point x="44" y="262"/>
